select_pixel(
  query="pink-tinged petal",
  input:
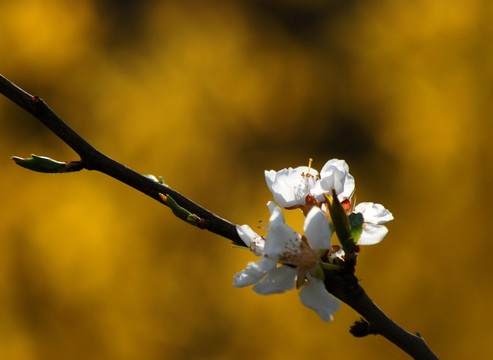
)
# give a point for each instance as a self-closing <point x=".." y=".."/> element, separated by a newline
<point x="374" y="213"/>
<point x="278" y="280"/>
<point x="251" y="239"/>
<point x="316" y="229"/>
<point x="254" y="272"/>
<point x="315" y="296"/>
<point x="372" y="234"/>
<point x="281" y="238"/>
<point x="289" y="186"/>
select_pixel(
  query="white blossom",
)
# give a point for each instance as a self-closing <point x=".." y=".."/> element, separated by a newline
<point x="374" y="215"/>
<point x="304" y="185"/>
<point x="289" y="258"/>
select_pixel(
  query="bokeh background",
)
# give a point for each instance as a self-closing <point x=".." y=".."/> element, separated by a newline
<point x="208" y="95"/>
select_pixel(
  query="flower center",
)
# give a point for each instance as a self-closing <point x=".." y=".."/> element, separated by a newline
<point x="301" y="255"/>
<point x="308" y="177"/>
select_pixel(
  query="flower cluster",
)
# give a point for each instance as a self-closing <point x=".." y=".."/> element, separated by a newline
<point x="290" y="259"/>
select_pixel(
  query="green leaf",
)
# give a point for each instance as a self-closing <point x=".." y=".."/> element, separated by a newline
<point x="356" y="223"/>
<point x="46" y="165"/>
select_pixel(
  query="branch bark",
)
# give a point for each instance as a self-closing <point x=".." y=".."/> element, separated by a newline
<point x="346" y="288"/>
<point x="343" y="285"/>
<point x="92" y="159"/>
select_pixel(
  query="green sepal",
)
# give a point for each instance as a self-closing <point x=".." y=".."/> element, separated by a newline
<point x="320" y="253"/>
<point x="328" y="266"/>
<point x="47" y="165"/>
<point x="356" y="223"/>
<point x="317" y="272"/>
<point x="300" y="280"/>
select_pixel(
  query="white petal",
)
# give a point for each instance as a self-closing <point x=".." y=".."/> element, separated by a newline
<point x="288" y="186"/>
<point x="270" y="178"/>
<point x="372" y="234"/>
<point x="335" y="174"/>
<point x="348" y="188"/>
<point x="315" y="296"/>
<point x="251" y="239"/>
<point x="281" y="237"/>
<point x="374" y="213"/>
<point x="317" y="230"/>
<point x="253" y="272"/>
<point x="276" y="215"/>
<point x="277" y="281"/>
<point x="332" y="164"/>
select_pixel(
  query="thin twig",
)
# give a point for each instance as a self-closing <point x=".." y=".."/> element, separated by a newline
<point x="93" y="159"/>
<point x="343" y="285"/>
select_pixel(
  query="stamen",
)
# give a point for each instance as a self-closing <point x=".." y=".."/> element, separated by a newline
<point x="306" y="178"/>
<point x="308" y="175"/>
<point x="263" y="226"/>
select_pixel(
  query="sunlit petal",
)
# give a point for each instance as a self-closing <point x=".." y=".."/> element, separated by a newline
<point x="281" y="237"/>
<point x="374" y="213"/>
<point x="251" y="239"/>
<point x="316" y="229"/>
<point x="290" y="186"/>
<point x="372" y="234"/>
<point x="334" y="174"/>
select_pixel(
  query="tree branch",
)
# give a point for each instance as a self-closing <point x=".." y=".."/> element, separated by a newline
<point x="92" y="159"/>
<point x="346" y="288"/>
<point x="343" y="285"/>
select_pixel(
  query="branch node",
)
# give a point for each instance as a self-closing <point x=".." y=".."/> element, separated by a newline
<point x="362" y="328"/>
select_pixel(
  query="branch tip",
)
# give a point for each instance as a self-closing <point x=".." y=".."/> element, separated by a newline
<point x="47" y="165"/>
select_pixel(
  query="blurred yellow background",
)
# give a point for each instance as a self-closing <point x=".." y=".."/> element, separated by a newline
<point x="208" y="95"/>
